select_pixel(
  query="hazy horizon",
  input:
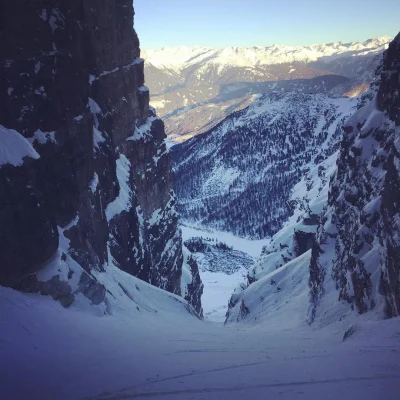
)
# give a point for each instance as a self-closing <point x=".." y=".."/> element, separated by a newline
<point x="269" y="45"/>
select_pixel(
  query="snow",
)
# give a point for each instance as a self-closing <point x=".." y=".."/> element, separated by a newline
<point x="14" y="148"/>
<point x="94" y="107"/>
<point x="43" y="137"/>
<point x="97" y="135"/>
<point x="251" y="247"/>
<point x="93" y="78"/>
<point x="124" y="199"/>
<point x="164" y="352"/>
<point x="218" y="286"/>
<point x="219" y="180"/>
<point x="56" y="266"/>
<point x="143" y="131"/>
<point x="187" y="277"/>
<point x="178" y="58"/>
<point x="274" y="303"/>
<point x="143" y="89"/>
<point x="159" y="103"/>
<point x="94" y="182"/>
<point x="269" y="118"/>
<point x="280" y="263"/>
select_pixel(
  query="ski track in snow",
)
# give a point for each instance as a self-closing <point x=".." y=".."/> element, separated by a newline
<point x="68" y="354"/>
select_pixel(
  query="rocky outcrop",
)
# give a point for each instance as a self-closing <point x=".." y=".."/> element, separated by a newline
<point x="303" y="241"/>
<point x="192" y="286"/>
<point x="360" y="232"/>
<point x="98" y="193"/>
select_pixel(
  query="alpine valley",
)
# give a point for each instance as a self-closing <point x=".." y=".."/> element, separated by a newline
<point x="231" y="229"/>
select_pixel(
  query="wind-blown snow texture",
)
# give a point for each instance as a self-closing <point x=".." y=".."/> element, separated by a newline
<point x="238" y="176"/>
<point x="84" y="170"/>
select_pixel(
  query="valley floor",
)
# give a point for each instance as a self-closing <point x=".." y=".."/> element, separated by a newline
<point x="47" y="352"/>
<point x="218" y="286"/>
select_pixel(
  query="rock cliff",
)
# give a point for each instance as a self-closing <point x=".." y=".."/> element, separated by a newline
<point x="338" y="254"/>
<point x="90" y="184"/>
<point x="358" y="240"/>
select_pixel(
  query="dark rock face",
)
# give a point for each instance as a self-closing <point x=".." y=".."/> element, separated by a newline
<point x="100" y="193"/>
<point x="388" y="97"/>
<point x="362" y="223"/>
<point x="195" y="288"/>
<point x="303" y="241"/>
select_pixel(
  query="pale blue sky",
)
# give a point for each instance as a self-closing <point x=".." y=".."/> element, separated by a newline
<point x="219" y="23"/>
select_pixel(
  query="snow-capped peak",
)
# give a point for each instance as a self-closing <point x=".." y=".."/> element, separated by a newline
<point x="178" y="58"/>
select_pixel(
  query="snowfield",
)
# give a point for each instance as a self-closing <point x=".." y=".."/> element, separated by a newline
<point x="161" y="351"/>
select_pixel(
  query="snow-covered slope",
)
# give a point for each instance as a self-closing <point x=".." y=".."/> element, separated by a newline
<point x="161" y="351"/>
<point x="338" y="254"/>
<point x="277" y="286"/>
<point x="238" y="176"/>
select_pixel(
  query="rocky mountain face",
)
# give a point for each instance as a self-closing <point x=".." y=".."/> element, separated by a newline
<point x="195" y="88"/>
<point x="84" y="172"/>
<point x="338" y="253"/>
<point x="238" y="176"/>
<point x="361" y="225"/>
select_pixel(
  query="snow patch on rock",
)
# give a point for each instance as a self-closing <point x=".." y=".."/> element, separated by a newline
<point x="14" y="148"/>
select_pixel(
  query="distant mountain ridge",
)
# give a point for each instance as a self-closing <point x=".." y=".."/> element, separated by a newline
<point x="195" y="88"/>
<point x="179" y="58"/>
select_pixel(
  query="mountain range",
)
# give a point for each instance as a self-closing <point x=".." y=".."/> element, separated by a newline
<point x="195" y="88"/>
